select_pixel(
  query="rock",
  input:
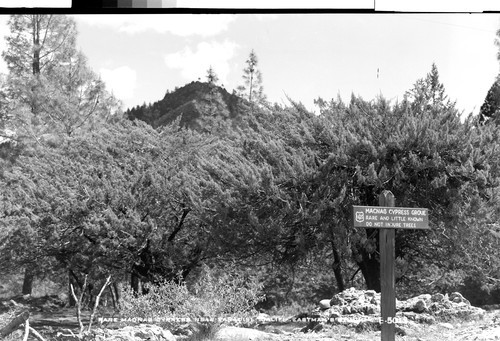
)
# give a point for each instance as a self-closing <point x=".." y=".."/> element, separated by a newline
<point x="337" y="300"/>
<point x="400" y="331"/>
<point x="425" y="318"/>
<point x="347" y="310"/>
<point x="447" y="325"/>
<point x="456" y="297"/>
<point x="437" y="297"/>
<point x="334" y="314"/>
<point x="425" y="307"/>
<point x="353" y="301"/>
<point x="370" y="293"/>
<point x="424" y="297"/>
<point x="352" y="294"/>
<point x="371" y="309"/>
<point x="420" y="306"/>
<point x="324" y="304"/>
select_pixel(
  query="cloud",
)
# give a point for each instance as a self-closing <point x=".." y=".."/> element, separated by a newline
<point x="194" y="64"/>
<point x="178" y="24"/>
<point x="121" y="81"/>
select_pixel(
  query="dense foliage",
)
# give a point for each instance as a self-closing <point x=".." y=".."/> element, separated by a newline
<point x="205" y="178"/>
<point x="489" y="112"/>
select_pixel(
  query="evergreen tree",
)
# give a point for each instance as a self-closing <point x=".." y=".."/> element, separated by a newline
<point x="75" y="97"/>
<point x="424" y="154"/>
<point x="429" y="94"/>
<point x="490" y="109"/>
<point x="252" y="89"/>
<point x="50" y="87"/>
<point x="38" y="42"/>
<point x="212" y="76"/>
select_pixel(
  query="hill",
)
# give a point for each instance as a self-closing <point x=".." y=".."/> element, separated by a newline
<point x="196" y="102"/>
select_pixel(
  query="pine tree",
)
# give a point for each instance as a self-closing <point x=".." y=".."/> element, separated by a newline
<point x="38" y="42"/>
<point x="428" y="94"/>
<point x="490" y="109"/>
<point x="212" y="76"/>
<point x="253" y="89"/>
<point x="76" y="97"/>
<point x="50" y="77"/>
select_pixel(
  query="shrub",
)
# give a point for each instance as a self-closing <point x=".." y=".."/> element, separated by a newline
<point x="218" y="292"/>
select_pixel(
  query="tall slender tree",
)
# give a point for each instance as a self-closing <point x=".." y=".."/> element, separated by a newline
<point x="252" y="89"/>
<point x="212" y="76"/>
<point x="38" y="42"/>
<point x="51" y="78"/>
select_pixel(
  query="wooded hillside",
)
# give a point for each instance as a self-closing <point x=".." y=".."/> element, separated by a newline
<point x="208" y="178"/>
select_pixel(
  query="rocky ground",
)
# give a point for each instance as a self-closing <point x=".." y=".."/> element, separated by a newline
<point x="350" y="315"/>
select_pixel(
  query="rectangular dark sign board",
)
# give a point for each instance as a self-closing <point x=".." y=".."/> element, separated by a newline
<point x="391" y="217"/>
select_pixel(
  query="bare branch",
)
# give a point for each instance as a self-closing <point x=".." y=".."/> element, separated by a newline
<point x="36" y="334"/>
<point x="108" y="280"/>
<point x="26" y="330"/>
<point x="78" y="304"/>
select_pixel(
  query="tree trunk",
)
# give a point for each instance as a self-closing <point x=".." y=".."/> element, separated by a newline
<point x="337" y="269"/>
<point x="113" y="296"/>
<point x="89" y="301"/>
<point x="134" y="282"/>
<point x="36" y="45"/>
<point x="29" y="276"/>
<point x="370" y="268"/>
<point x="337" y="261"/>
<point x="116" y="288"/>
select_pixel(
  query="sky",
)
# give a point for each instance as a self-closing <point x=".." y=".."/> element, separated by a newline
<point x="302" y="56"/>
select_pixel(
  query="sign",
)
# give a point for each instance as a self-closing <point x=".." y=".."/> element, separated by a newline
<point x="390" y="217"/>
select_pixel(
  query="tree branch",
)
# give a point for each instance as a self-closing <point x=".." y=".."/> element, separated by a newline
<point x="36" y="334"/>
<point x="14" y="324"/>
<point x="185" y="212"/>
<point x="108" y="280"/>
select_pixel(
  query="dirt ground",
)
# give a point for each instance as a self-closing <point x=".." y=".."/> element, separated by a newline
<point x="487" y="329"/>
<point x="50" y="319"/>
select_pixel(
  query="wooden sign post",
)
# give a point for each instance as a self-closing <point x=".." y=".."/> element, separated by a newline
<point x="388" y="218"/>
<point x="387" y="279"/>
